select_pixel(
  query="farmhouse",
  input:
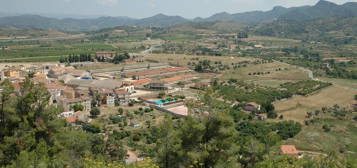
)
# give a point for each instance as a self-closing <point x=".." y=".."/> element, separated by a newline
<point x="141" y="82"/>
<point x="67" y="104"/>
<point x="105" y="55"/>
<point x="58" y="71"/>
<point x="252" y="106"/>
<point x="14" y="73"/>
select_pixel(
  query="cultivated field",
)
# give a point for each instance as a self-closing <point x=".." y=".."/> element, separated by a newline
<point x="182" y="60"/>
<point x="342" y="82"/>
<point x="287" y="73"/>
<point x="296" y="107"/>
<point x="272" y="41"/>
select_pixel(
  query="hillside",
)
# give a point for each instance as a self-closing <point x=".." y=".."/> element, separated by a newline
<point x="323" y="9"/>
<point x="333" y="30"/>
<point x="219" y="26"/>
<point x="70" y="24"/>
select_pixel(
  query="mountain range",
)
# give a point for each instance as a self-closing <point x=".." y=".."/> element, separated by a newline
<point x="323" y="9"/>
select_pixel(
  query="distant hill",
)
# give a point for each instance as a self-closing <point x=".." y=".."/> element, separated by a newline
<point x="335" y="30"/>
<point x="206" y="26"/>
<point x="161" y="20"/>
<point x="323" y="9"/>
<point x="69" y="24"/>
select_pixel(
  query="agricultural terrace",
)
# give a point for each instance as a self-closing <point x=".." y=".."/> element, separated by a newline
<point x="183" y="60"/>
<point x="296" y="107"/>
<point x="270" y="74"/>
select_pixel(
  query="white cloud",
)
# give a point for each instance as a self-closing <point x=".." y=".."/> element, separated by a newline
<point x="107" y="2"/>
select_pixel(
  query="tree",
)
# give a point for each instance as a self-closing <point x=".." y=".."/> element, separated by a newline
<point x="115" y="149"/>
<point x="207" y="142"/>
<point x="94" y="112"/>
<point x="7" y="90"/>
<point x="78" y="107"/>
<point x="287" y="129"/>
<point x="168" y="145"/>
<point x="120" y="111"/>
<point x="161" y="94"/>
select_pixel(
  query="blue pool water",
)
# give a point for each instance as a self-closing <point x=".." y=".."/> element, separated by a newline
<point x="160" y="101"/>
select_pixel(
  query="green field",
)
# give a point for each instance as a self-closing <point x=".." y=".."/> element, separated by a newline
<point x="50" y="51"/>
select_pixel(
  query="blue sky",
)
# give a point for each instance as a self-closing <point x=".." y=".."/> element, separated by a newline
<point x="145" y="8"/>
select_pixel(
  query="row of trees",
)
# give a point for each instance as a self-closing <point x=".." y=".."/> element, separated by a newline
<point x="76" y="58"/>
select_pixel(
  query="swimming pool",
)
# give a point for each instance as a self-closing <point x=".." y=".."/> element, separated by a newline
<point x="161" y="101"/>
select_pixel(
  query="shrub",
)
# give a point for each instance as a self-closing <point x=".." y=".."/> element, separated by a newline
<point x="326" y="128"/>
<point x="78" y="107"/>
<point x="95" y="112"/>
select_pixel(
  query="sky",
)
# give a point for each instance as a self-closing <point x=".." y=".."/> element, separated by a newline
<point x="144" y="8"/>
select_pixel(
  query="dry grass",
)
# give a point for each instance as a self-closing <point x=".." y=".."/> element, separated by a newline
<point x="342" y="82"/>
<point x="296" y="107"/>
<point x="288" y="73"/>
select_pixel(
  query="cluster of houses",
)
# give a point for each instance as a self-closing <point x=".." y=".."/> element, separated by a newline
<point x="69" y="86"/>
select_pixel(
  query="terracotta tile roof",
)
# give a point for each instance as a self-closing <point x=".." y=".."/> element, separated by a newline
<point x="71" y="119"/>
<point x="289" y="150"/>
<point x="141" y="81"/>
<point x="177" y="78"/>
<point x="54" y="86"/>
<point x="157" y="71"/>
<point x="39" y="75"/>
<point x="62" y="68"/>
<point x="121" y="92"/>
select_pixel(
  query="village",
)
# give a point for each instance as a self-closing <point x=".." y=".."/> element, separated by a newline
<point x="77" y="91"/>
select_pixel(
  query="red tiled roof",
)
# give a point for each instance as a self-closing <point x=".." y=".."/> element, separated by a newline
<point x="62" y="68"/>
<point x="121" y="92"/>
<point x="54" y="86"/>
<point x="141" y="81"/>
<point x="157" y="71"/>
<point x="39" y="75"/>
<point x="289" y="150"/>
<point x="71" y="119"/>
<point x="177" y="78"/>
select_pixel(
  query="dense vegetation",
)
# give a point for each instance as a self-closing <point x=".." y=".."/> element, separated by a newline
<point x="33" y="136"/>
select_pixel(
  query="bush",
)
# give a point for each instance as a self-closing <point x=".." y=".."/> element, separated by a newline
<point x="326" y="128"/>
<point x="95" y="112"/>
<point x="287" y="129"/>
<point x="120" y="111"/>
<point x="78" y="107"/>
<point x="136" y="137"/>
